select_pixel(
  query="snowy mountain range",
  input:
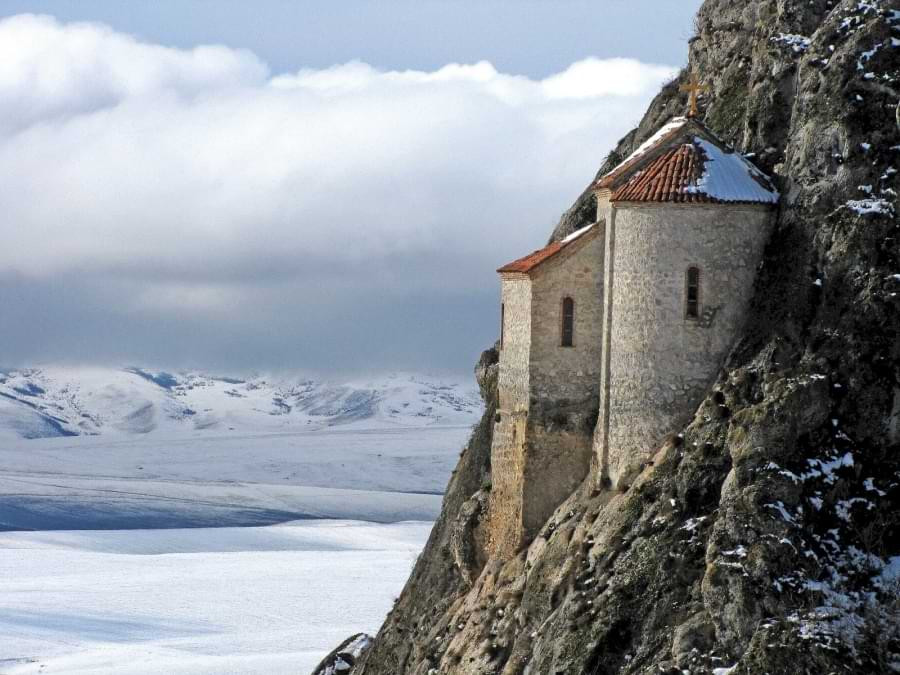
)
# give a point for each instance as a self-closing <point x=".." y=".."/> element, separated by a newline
<point x="67" y="401"/>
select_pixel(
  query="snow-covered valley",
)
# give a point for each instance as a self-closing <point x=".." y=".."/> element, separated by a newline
<point x="380" y="475"/>
<point x="250" y="543"/>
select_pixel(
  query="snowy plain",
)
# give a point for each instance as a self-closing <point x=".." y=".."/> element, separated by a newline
<point x="267" y="600"/>
<point x="252" y="544"/>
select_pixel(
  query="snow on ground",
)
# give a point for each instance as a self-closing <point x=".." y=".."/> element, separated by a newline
<point x="267" y="600"/>
<point x="206" y="480"/>
<point x="204" y="550"/>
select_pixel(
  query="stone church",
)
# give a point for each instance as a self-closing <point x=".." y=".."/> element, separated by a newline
<point x="611" y="336"/>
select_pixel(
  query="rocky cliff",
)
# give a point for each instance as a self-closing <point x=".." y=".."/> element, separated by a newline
<point x="763" y="538"/>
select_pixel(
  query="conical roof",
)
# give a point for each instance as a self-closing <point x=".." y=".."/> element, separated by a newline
<point x="684" y="162"/>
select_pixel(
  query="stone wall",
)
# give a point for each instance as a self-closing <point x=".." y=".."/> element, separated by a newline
<point x="556" y="462"/>
<point x="508" y="446"/>
<point x="562" y="377"/>
<point x="515" y="348"/>
<point x="548" y="393"/>
<point x="660" y="362"/>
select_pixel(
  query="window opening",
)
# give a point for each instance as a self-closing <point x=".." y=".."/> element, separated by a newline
<point x="692" y="296"/>
<point x="568" y="322"/>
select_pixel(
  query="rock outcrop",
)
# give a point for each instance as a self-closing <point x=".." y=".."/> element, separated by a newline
<point x="763" y="537"/>
<point x="342" y="659"/>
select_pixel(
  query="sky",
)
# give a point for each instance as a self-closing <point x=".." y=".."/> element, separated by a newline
<point x="317" y="186"/>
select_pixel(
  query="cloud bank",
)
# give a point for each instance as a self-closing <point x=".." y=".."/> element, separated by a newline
<point x="191" y="207"/>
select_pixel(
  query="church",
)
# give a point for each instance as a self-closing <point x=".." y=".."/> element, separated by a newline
<point x="611" y="337"/>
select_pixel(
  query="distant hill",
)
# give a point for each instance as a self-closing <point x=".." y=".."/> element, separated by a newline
<point x="66" y="401"/>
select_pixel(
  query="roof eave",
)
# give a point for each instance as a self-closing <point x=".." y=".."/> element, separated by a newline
<point x="707" y="201"/>
<point x="521" y="267"/>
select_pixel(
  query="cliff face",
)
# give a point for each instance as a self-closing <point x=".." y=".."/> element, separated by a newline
<point x="765" y="535"/>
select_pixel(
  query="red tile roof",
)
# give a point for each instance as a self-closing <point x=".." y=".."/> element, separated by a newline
<point x="684" y="162"/>
<point x="532" y="260"/>
<point x="668" y="132"/>
<point x="666" y="178"/>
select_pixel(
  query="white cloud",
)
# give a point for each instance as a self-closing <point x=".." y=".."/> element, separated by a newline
<point x="50" y="72"/>
<point x="174" y="168"/>
<point x="593" y="78"/>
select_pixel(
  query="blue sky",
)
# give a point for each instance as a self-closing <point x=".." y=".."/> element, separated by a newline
<point x="527" y="37"/>
<point x="298" y="185"/>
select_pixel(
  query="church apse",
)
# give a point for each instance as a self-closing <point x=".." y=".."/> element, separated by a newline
<point x="668" y="337"/>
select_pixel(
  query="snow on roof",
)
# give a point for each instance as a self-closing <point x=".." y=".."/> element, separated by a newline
<point x="532" y="260"/>
<point x="665" y="178"/>
<point x="669" y="127"/>
<point x="576" y="234"/>
<point x="685" y="162"/>
<point x="696" y="171"/>
<point x="730" y="177"/>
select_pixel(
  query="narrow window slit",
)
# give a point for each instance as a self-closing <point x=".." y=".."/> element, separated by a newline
<point x="568" y="322"/>
<point x="692" y="295"/>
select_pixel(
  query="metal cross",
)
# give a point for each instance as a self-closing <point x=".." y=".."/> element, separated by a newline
<point x="693" y="88"/>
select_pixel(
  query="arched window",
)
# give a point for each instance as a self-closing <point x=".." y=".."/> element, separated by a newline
<point x="568" y="322"/>
<point x="692" y="293"/>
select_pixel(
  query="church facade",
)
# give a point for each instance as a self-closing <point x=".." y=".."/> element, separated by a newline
<point x="611" y="337"/>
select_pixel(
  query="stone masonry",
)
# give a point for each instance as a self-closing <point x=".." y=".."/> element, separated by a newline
<point x="642" y="354"/>
<point x="660" y="362"/>
<point x="548" y="393"/>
